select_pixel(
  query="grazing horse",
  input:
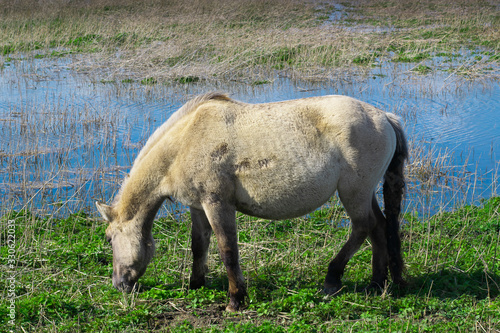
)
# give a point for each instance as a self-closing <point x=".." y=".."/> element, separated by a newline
<point x="274" y="161"/>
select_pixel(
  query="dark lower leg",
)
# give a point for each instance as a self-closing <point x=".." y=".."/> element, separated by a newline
<point x="380" y="258"/>
<point x="237" y="290"/>
<point x="337" y="265"/>
<point x="222" y="219"/>
<point x="200" y="241"/>
<point x="396" y="264"/>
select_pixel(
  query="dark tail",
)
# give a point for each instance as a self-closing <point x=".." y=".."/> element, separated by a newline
<point x="394" y="185"/>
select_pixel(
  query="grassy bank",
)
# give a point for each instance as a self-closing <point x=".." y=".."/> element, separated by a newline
<point x="250" y="40"/>
<point x="63" y="284"/>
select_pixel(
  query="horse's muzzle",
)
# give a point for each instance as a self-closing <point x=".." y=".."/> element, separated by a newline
<point x="122" y="283"/>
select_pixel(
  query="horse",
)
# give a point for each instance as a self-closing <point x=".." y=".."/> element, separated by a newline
<point x="275" y="161"/>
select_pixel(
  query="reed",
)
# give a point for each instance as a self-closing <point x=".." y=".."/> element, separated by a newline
<point x="245" y="40"/>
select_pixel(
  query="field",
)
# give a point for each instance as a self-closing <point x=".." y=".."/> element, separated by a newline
<point x="54" y="261"/>
<point x="250" y="40"/>
<point x="64" y="285"/>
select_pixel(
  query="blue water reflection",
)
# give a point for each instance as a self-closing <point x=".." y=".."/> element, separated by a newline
<point x="68" y="138"/>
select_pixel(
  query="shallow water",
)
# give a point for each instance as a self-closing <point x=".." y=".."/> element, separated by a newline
<point x="68" y="138"/>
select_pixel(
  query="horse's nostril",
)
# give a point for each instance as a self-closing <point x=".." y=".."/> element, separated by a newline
<point x="123" y="284"/>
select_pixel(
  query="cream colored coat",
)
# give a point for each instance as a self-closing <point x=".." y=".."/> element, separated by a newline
<point x="275" y="161"/>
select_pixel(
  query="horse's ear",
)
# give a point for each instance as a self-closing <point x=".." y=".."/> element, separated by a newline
<point x="105" y="210"/>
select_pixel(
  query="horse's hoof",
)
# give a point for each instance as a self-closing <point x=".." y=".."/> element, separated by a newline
<point x="400" y="282"/>
<point x="331" y="289"/>
<point x="231" y="308"/>
<point x="373" y="286"/>
<point x="196" y="284"/>
<point x="234" y="305"/>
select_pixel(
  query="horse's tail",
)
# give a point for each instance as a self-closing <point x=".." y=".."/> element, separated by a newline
<point x="394" y="185"/>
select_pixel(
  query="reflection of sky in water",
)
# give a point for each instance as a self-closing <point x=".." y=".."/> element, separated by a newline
<point x="68" y="137"/>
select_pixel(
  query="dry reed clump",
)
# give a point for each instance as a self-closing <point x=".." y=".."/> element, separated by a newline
<point x="436" y="183"/>
<point x="48" y="152"/>
<point x="239" y="40"/>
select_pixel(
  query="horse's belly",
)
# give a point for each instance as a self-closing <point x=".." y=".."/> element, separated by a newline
<point x="281" y="191"/>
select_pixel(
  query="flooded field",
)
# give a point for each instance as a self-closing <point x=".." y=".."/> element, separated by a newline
<point x="68" y="137"/>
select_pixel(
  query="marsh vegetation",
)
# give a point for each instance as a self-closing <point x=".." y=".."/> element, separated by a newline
<point x="249" y="40"/>
<point x="84" y="84"/>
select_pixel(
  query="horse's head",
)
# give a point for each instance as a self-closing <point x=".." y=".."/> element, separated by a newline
<point x="133" y="247"/>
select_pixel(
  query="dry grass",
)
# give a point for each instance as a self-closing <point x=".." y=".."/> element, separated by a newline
<point x="244" y="40"/>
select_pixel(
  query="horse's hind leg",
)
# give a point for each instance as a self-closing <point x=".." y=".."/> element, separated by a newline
<point x="364" y="222"/>
<point x="200" y="241"/>
<point x="336" y="268"/>
<point x="380" y="257"/>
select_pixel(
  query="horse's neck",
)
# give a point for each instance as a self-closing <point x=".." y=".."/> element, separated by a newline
<point x="141" y="193"/>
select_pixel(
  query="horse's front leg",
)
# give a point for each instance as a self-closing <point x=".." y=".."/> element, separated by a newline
<point x="222" y="218"/>
<point x="201" y="232"/>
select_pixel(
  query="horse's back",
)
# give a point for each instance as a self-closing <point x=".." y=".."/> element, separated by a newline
<point x="285" y="159"/>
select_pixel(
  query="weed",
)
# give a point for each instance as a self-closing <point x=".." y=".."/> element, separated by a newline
<point x="149" y="81"/>
<point x="7" y="49"/>
<point x="84" y="40"/>
<point x="422" y="69"/>
<point x="187" y="79"/>
<point x="260" y="82"/>
<point x="365" y="59"/>
<point x="404" y="57"/>
<point x="59" y="54"/>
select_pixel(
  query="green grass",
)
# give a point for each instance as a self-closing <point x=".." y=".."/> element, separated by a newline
<point x="422" y="69"/>
<point x="187" y="79"/>
<point x="63" y="283"/>
<point x="404" y="57"/>
<point x="149" y="81"/>
<point x="260" y="82"/>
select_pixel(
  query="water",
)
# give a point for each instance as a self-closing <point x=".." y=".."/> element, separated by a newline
<point x="68" y="138"/>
